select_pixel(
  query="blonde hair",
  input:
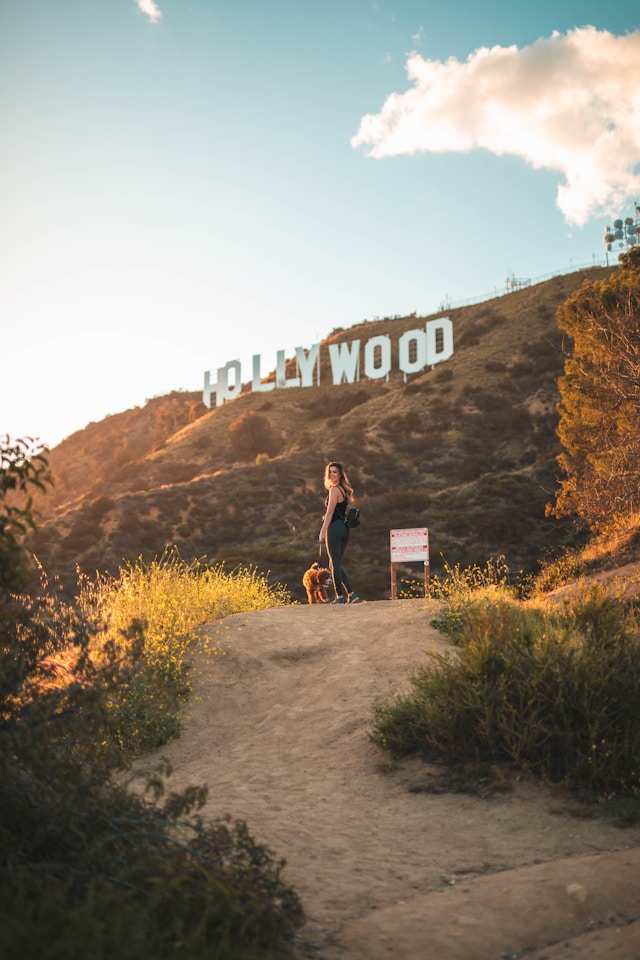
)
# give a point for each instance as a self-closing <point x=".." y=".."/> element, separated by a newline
<point x="343" y="482"/>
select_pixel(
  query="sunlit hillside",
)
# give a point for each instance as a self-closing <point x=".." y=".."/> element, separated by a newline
<point x="466" y="448"/>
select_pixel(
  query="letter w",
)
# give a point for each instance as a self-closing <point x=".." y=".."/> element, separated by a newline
<point x="345" y="361"/>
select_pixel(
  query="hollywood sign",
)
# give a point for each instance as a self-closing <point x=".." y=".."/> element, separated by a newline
<point x="417" y="349"/>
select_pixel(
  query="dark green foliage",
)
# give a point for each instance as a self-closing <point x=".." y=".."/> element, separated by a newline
<point x="23" y="466"/>
<point x="90" y="868"/>
<point x="554" y="692"/>
<point x="544" y="350"/>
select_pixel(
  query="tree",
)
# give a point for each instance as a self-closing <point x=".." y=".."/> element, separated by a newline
<point x="23" y="465"/>
<point x="600" y="398"/>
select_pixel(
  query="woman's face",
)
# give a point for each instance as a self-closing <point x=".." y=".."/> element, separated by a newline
<point x="334" y="475"/>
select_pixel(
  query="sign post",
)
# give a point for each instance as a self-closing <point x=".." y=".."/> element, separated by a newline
<point x="408" y="546"/>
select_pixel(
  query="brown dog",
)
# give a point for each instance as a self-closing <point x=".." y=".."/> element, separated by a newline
<point x="316" y="580"/>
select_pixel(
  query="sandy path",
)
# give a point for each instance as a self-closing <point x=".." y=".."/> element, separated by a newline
<point x="277" y="729"/>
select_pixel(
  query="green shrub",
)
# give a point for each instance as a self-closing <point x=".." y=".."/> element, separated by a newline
<point x="90" y="867"/>
<point x="555" y="691"/>
<point x="92" y="870"/>
<point x="23" y="465"/>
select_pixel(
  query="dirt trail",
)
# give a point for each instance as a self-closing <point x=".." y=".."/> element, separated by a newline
<point x="277" y="729"/>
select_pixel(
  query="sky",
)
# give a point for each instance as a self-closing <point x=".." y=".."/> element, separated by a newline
<point x="184" y="183"/>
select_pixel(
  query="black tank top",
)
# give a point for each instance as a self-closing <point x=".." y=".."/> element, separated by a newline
<point x="340" y="511"/>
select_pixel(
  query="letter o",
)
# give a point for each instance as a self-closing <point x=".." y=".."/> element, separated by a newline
<point x="384" y="345"/>
<point x="412" y="366"/>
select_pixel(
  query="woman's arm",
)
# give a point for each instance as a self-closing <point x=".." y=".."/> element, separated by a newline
<point x="331" y="506"/>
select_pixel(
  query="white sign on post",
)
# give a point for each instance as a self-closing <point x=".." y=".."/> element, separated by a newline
<point x="410" y="544"/>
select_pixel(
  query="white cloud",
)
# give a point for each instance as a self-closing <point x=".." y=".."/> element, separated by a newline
<point x="150" y="9"/>
<point x="566" y="103"/>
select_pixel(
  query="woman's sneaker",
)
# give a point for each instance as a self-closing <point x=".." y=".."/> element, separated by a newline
<point x="354" y="598"/>
<point x="339" y="600"/>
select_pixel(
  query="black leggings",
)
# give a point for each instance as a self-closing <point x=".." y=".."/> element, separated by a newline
<point x="337" y="540"/>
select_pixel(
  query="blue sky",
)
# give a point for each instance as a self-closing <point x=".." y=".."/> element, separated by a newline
<point x="187" y="182"/>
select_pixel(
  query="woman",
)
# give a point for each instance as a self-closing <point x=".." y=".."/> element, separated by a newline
<point x="335" y="531"/>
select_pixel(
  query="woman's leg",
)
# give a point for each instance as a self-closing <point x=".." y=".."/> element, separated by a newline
<point x="337" y="539"/>
<point x="334" y="552"/>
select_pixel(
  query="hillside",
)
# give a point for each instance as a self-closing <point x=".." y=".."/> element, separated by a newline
<point x="466" y="448"/>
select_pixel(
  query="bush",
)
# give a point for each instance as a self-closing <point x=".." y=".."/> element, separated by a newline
<point x="556" y="692"/>
<point x="556" y="571"/>
<point x="90" y="868"/>
<point x="251" y="433"/>
<point x="23" y="466"/>
<point x="148" y="614"/>
<point x="459" y="585"/>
